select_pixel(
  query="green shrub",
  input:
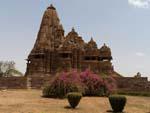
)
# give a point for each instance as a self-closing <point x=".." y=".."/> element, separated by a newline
<point x="74" y="98"/>
<point x="117" y="102"/>
<point x="134" y="93"/>
<point x="47" y="92"/>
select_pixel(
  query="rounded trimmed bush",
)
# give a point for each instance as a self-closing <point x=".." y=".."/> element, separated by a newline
<point x="74" y="98"/>
<point x="117" y="102"/>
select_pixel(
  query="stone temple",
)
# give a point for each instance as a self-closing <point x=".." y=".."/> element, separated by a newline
<point x="53" y="51"/>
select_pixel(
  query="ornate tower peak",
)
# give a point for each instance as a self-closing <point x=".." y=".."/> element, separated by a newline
<point x="49" y="36"/>
<point x="91" y="39"/>
<point x="73" y="30"/>
<point x="105" y="46"/>
<point x="92" y="44"/>
<point x="51" y="7"/>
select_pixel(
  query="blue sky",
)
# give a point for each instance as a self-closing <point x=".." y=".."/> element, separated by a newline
<point x="124" y="25"/>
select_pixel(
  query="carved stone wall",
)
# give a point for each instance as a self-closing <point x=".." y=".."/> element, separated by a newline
<point x="133" y="84"/>
<point x="124" y="84"/>
<point x="13" y="83"/>
<point x="40" y="82"/>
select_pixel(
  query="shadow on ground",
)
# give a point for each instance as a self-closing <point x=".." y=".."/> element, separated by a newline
<point x="111" y="111"/>
<point x="69" y="107"/>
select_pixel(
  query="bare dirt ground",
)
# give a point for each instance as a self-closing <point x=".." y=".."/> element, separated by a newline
<point x="30" y="101"/>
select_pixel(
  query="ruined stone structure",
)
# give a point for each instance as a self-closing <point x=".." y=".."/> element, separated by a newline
<point x="54" y="51"/>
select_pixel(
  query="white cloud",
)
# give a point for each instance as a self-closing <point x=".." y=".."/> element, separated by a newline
<point x="140" y="54"/>
<point x="140" y="3"/>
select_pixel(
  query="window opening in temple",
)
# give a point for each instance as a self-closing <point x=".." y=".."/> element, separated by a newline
<point x="90" y="58"/>
<point x="105" y="60"/>
<point x="86" y="58"/>
<point x="93" y="58"/>
<point x="65" y="55"/>
<point x="38" y="56"/>
<point x="99" y="59"/>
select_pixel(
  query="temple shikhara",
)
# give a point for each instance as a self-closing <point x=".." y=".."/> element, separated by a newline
<point x="54" y="51"/>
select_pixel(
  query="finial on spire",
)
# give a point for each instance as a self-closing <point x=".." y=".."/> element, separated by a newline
<point x="73" y="30"/>
<point x="92" y="39"/>
<point x="105" y="46"/>
<point x="51" y="7"/>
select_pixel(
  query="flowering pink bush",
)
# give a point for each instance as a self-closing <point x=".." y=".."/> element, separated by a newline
<point x="110" y="84"/>
<point x="85" y="82"/>
<point x="64" y="83"/>
<point x="94" y="84"/>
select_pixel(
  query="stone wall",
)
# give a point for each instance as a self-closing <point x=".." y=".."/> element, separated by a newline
<point x="133" y="84"/>
<point x="13" y="83"/>
<point x="39" y="82"/>
<point x="123" y="83"/>
<point x="23" y="82"/>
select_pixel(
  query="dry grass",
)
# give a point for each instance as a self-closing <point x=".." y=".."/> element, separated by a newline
<point x="30" y="101"/>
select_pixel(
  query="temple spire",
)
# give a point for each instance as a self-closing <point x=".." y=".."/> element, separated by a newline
<point x="46" y="39"/>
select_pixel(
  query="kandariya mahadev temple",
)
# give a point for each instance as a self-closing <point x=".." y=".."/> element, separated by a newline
<point x="54" y="51"/>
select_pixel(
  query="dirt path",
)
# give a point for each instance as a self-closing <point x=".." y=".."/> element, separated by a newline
<point x="30" y="101"/>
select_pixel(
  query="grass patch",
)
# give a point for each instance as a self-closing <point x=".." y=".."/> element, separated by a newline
<point x="134" y="93"/>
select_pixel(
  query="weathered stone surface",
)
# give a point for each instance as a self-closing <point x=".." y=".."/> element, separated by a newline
<point x="133" y="84"/>
<point x="40" y="82"/>
<point x="13" y="83"/>
<point x="54" y="51"/>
